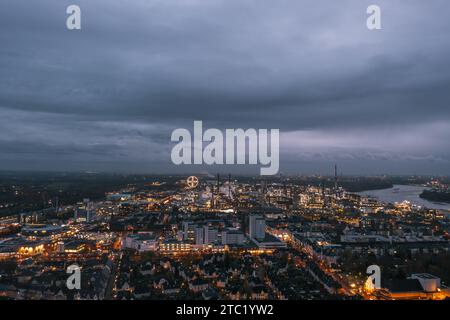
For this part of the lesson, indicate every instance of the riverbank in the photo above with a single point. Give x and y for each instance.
(411, 193)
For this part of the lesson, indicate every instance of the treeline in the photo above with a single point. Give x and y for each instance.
(436, 196)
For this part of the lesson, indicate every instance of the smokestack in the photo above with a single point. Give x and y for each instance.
(212, 196)
(229, 185)
(56, 205)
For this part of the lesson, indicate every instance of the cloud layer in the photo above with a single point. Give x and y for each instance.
(108, 96)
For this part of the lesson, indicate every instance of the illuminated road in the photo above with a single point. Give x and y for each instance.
(346, 284)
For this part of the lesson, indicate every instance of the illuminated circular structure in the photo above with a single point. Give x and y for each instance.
(192, 182)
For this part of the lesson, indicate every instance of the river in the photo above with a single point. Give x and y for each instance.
(400, 193)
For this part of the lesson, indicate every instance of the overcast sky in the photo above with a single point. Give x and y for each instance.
(107, 98)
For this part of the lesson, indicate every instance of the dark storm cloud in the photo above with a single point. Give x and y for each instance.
(116, 89)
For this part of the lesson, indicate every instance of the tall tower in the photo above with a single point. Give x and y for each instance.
(262, 195)
(218, 183)
(324, 197)
(56, 205)
(212, 196)
(217, 190)
(257, 226)
(335, 178)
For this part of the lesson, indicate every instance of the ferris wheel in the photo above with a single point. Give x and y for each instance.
(192, 182)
